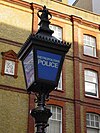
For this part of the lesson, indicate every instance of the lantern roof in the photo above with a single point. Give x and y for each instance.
(44, 36)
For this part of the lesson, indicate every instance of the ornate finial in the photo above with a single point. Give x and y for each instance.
(46, 15)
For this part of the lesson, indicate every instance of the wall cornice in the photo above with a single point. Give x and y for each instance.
(83, 22)
(71, 18)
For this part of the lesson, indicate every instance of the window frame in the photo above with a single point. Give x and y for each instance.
(60, 86)
(91, 121)
(52, 26)
(89, 93)
(90, 46)
(52, 119)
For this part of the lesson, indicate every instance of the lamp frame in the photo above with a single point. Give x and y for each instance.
(52, 84)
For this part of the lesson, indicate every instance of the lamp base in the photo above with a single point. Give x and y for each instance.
(41, 114)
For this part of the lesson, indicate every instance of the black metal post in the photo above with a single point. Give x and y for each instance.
(41, 114)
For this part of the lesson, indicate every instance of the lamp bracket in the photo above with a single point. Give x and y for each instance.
(38, 97)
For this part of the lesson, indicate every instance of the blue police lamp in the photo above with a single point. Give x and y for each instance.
(42, 57)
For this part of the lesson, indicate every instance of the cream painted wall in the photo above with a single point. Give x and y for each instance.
(46, 1)
(15, 22)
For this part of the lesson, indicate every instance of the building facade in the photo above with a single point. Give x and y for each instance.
(75, 103)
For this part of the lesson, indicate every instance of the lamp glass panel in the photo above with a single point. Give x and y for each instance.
(48, 65)
(28, 65)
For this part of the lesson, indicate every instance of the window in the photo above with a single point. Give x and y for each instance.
(58, 34)
(60, 83)
(55, 121)
(91, 83)
(92, 123)
(9, 63)
(89, 45)
(57, 31)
